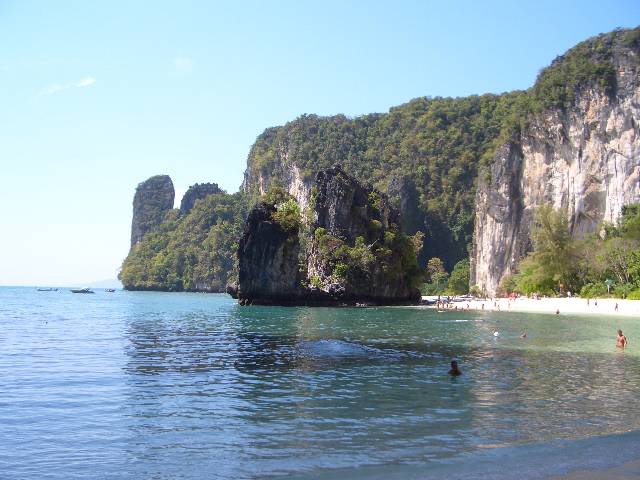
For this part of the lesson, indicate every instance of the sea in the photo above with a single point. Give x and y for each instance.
(146, 385)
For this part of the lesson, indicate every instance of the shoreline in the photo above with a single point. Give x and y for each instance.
(607, 457)
(604, 306)
(626, 471)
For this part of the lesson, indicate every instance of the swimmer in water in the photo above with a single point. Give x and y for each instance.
(621, 341)
(523, 334)
(454, 371)
(496, 333)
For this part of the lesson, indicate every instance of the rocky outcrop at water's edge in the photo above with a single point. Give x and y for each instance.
(347, 249)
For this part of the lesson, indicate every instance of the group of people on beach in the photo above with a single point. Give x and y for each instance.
(494, 304)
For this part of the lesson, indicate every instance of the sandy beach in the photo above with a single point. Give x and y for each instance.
(551, 305)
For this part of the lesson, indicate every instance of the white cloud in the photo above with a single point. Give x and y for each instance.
(82, 83)
(85, 82)
(183, 65)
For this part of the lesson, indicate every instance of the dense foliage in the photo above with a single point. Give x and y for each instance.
(394, 255)
(595, 266)
(426, 154)
(459, 278)
(196, 251)
(433, 145)
(441, 282)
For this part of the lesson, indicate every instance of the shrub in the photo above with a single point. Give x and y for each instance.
(287, 215)
(340, 270)
(634, 294)
(591, 290)
(375, 226)
(315, 281)
(622, 291)
(459, 279)
(507, 285)
(477, 292)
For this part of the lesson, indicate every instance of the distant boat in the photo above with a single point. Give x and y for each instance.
(47, 289)
(110, 290)
(82, 290)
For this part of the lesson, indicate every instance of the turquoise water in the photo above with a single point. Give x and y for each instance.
(155, 385)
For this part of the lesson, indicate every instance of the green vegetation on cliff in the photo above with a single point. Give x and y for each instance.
(427, 153)
(347, 247)
(435, 144)
(193, 252)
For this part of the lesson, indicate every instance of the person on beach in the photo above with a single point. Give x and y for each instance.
(621, 341)
(616, 307)
(454, 371)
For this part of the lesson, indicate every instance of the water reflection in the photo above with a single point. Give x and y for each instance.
(266, 391)
(147, 385)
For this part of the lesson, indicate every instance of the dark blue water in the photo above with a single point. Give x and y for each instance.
(151, 385)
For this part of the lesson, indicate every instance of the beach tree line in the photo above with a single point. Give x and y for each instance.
(605, 263)
(441, 282)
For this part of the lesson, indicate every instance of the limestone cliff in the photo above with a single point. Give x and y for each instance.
(153, 199)
(348, 249)
(423, 155)
(197, 191)
(582, 156)
(268, 260)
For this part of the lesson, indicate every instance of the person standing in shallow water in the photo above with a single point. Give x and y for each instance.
(621, 341)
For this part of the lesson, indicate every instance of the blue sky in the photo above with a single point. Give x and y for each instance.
(98, 96)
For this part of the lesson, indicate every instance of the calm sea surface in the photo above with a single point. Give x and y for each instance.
(138, 385)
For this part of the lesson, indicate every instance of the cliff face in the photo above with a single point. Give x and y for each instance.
(575, 146)
(356, 251)
(198, 191)
(584, 158)
(423, 154)
(349, 249)
(268, 260)
(288, 174)
(153, 199)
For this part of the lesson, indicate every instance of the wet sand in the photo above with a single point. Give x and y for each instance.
(627, 471)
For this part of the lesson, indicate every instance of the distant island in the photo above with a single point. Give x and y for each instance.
(468, 182)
